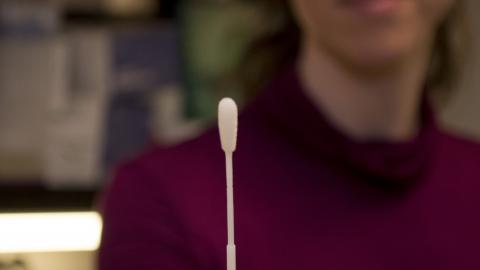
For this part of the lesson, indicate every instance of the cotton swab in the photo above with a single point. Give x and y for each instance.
(227, 125)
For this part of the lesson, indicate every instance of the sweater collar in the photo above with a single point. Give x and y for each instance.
(289, 109)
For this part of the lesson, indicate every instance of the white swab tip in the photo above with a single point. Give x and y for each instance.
(227, 124)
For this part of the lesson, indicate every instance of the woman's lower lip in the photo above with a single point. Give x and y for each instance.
(372, 7)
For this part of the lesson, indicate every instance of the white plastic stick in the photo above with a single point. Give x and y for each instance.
(227, 124)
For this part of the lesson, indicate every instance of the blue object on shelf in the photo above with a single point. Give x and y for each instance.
(144, 60)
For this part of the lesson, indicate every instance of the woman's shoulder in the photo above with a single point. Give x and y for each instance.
(460, 143)
(164, 165)
(458, 157)
(198, 149)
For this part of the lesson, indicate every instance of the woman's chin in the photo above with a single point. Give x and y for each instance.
(382, 50)
(377, 59)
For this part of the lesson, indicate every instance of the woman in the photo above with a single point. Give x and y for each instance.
(340, 162)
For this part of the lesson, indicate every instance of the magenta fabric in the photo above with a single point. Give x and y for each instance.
(306, 197)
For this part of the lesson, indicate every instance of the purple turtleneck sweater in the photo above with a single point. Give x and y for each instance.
(306, 197)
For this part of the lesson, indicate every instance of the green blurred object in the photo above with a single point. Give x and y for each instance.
(215, 36)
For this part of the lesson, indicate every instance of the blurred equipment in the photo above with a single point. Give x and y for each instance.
(29, 73)
(15, 264)
(131, 8)
(29, 18)
(77, 112)
(215, 36)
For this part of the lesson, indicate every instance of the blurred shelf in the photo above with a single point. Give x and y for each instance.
(166, 10)
(99, 18)
(41, 199)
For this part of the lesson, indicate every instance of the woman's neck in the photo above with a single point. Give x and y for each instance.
(365, 106)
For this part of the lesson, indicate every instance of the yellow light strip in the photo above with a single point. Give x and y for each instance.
(49, 232)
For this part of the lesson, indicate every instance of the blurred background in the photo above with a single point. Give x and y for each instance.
(86, 84)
